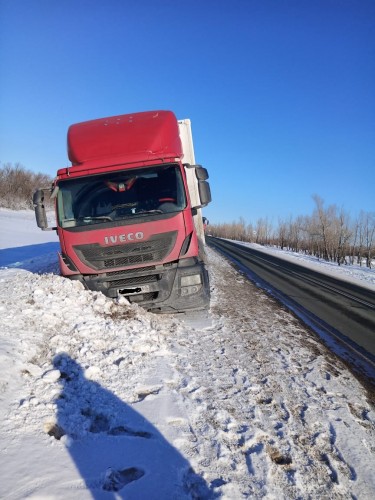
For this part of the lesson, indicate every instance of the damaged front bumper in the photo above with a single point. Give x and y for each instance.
(172, 287)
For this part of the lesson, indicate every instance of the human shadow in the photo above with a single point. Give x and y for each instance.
(30, 257)
(119, 453)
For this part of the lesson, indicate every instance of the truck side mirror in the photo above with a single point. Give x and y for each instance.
(204, 193)
(40, 209)
(201, 173)
(201, 186)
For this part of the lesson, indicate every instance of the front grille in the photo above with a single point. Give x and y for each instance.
(129, 271)
(137, 280)
(127, 254)
(146, 297)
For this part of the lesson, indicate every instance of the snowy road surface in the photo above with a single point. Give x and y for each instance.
(341, 309)
(101, 400)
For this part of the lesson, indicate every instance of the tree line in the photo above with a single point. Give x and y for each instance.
(329, 233)
(17, 186)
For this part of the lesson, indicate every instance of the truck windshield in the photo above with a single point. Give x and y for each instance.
(120, 195)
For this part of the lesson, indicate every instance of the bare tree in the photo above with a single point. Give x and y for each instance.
(321, 221)
(17, 185)
(343, 235)
(369, 230)
(282, 233)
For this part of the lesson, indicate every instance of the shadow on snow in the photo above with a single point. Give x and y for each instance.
(36, 258)
(118, 453)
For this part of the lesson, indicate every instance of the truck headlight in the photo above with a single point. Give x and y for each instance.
(190, 284)
(193, 279)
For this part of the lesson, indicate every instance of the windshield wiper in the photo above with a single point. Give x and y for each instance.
(136, 213)
(123, 205)
(89, 218)
(145, 212)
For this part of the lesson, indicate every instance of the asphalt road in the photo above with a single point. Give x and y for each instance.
(344, 307)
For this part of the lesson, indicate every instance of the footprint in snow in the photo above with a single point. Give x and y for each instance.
(142, 393)
(100, 423)
(115, 480)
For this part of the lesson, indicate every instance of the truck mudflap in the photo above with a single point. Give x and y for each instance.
(169, 288)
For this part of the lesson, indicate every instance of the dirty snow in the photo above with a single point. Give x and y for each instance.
(99, 399)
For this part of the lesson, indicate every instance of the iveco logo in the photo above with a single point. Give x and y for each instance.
(121, 238)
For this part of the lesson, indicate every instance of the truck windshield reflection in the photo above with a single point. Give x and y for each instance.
(120, 195)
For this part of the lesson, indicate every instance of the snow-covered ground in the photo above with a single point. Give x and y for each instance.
(100, 399)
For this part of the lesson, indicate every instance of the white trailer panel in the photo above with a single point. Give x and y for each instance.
(186, 137)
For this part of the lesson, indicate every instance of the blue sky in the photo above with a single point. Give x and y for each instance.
(281, 93)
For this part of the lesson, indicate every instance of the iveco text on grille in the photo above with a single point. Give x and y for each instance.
(123, 237)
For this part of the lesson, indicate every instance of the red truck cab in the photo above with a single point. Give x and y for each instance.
(128, 212)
